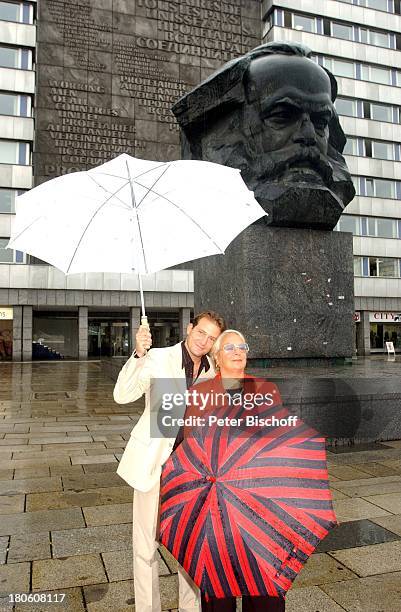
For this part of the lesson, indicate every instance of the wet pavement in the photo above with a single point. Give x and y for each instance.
(65, 516)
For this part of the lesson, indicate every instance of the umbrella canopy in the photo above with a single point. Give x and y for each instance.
(242, 508)
(132, 214)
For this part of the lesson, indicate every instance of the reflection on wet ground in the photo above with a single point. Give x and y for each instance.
(65, 516)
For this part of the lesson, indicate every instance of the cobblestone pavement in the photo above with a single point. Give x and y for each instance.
(65, 516)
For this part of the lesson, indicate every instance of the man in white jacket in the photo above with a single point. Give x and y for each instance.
(141, 463)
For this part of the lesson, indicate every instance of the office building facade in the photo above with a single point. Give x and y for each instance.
(360, 42)
(82, 81)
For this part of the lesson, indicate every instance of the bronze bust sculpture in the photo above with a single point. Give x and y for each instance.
(271, 114)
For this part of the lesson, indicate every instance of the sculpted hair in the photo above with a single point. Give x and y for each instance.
(225, 90)
(212, 316)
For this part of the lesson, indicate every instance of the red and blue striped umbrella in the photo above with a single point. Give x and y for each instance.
(242, 509)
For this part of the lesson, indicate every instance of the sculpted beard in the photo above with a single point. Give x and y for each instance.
(296, 163)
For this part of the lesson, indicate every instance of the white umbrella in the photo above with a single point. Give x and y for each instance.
(133, 215)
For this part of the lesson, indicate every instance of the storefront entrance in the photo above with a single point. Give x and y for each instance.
(108, 339)
(6, 333)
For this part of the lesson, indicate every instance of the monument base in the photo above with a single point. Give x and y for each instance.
(289, 291)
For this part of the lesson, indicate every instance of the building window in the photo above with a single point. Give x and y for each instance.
(13, 152)
(339, 67)
(378, 188)
(382, 150)
(357, 266)
(347, 107)
(305, 24)
(13, 57)
(15, 104)
(8, 255)
(7, 200)
(351, 146)
(21, 12)
(379, 5)
(376, 75)
(341, 30)
(381, 112)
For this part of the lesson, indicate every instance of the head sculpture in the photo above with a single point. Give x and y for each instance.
(270, 113)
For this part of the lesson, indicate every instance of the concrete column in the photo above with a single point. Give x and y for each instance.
(134, 322)
(82, 333)
(185, 319)
(364, 336)
(17, 333)
(27, 333)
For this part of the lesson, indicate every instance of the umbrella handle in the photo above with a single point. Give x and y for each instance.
(144, 321)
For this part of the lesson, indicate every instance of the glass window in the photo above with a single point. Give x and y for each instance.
(340, 30)
(387, 266)
(382, 150)
(372, 266)
(344, 69)
(14, 104)
(357, 266)
(9, 57)
(380, 5)
(6, 255)
(384, 189)
(351, 146)
(380, 75)
(307, 24)
(10, 11)
(7, 200)
(12, 57)
(379, 39)
(349, 223)
(13, 152)
(345, 106)
(381, 112)
(371, 226)
(386, 228)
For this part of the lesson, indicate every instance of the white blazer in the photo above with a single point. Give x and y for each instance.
(141, 463)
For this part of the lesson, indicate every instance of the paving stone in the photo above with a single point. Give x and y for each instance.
(25, 473)
(91, 540)
(168, 558)
(321, 568)
(11, 487)
(310, 599)
(372, 594)
(29, 546)
(73, 602)
(391, 523)
(73, 571)
(59, 439)
(81, 459)
(6, 474)
(110, 597)
(30, 463)
(76, 498)
(3, 550)
(62, 453)
(370, 560)
(356, 533)
(66, 471)
(14, 578)
(355, 509)
(11, 504)
(88, 481)
(72, 445)
(110, 514)
(118, 565)
(169, 591)
(91, 468)
(369, 490)
(44, 520)
(390, 502)
(377, 469)
(16, 441)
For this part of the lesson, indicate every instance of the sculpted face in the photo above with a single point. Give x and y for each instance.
(275, 121)
(288, 112)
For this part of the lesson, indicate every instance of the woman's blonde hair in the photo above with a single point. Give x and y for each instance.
(219, 342)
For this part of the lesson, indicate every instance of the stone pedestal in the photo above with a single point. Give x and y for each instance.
(290, 291)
